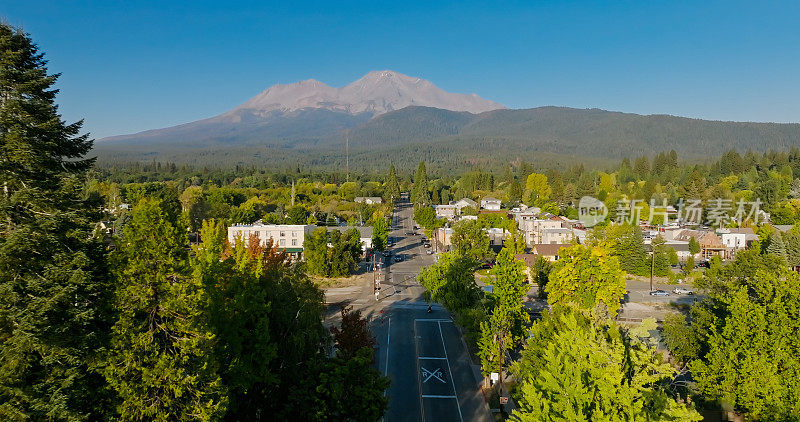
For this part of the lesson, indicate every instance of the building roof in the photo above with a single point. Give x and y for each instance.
(528, 258)
(557, 230)
(783, 227)
(363, 231)
(548, 249)
(490, 199)
(467, 200)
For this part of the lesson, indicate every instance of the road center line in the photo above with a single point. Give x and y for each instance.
(423, 357)
(430, 396)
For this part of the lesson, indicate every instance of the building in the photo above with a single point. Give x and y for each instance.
(548, 251)
(737, 239)
(290, 237)
(364, 232)
(532, 226)
(446, 211)
(442, 239)
(556, 235)
(369, 200)
(463, 203)
(490, 203)
(681, 248)
(710, 243)
(496, 236)
(287, 237)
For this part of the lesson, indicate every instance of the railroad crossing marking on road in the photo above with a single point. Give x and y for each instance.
(432, 374)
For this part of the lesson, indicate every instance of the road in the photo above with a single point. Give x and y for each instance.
(423, 353)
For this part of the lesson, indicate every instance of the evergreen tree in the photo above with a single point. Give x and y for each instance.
(159, 362)
(419, 192)
(577, 368)
(776, 246)
(54, 293)
(392, 191)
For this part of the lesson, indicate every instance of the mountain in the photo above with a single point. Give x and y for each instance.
(449, 140)
(377, 92)
(309, 111)
(388, 117)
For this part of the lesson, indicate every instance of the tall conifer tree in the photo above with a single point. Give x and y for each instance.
(53, 289)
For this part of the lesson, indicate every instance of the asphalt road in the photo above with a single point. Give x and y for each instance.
(422, 353)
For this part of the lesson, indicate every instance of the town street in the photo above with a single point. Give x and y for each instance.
(424, 354)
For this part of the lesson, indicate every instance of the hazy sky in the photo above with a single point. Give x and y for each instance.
(130, 66)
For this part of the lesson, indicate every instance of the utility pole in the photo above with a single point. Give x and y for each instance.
(652, 263)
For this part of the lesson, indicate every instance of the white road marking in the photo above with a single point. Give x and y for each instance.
(432, 374)
(433, 396)
(423, 357)
(452, 381)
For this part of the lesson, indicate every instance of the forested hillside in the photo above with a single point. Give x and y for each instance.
(546, 136)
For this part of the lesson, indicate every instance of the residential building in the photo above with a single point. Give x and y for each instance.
(364, 232)
(446, 211)
(548, 251)
(532, 225)
(489, 203)
(369, 200)
(442, 239)
(496, 236)
(556, 235)
(463, 203)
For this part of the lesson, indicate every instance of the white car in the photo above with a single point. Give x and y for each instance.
(682, 291)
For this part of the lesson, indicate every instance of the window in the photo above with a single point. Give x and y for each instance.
(283, 242)
(294, 242)
(283, 234)
(294, 234)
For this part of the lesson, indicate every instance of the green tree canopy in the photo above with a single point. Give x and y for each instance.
(577, 369)
(159, 363)
(587, 276)
(470, 239)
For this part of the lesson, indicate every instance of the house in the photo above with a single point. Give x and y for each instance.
(556, 235)
(446, 211)
(287, 237)
(496, 236)
(463, 203)
(369, 200)
(364, 232)
(549, 251)
(442, 239)
(489, 203)
(532, 226)
(681, 248)
(710, 243)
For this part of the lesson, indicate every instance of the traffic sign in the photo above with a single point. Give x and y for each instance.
(503, 400)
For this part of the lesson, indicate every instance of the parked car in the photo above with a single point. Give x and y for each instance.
(659, 293)
(427, 245)
(398, 258)
(429, 252)
(682, 291)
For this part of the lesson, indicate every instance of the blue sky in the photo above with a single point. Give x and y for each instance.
(133, 65)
